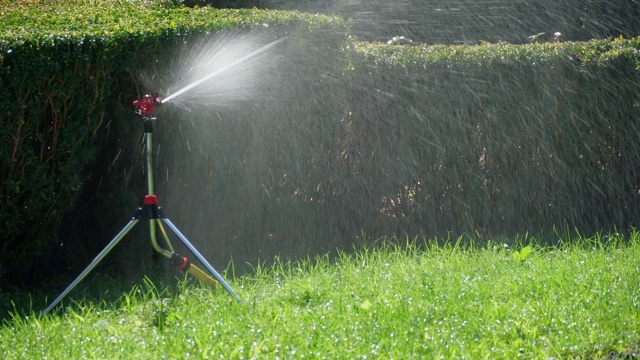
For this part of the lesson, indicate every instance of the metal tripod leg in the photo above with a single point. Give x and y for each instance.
(93, 264)
(201, 258)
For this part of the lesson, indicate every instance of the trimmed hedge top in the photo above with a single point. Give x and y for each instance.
(21, 21)
(598, 52)
(79, 21)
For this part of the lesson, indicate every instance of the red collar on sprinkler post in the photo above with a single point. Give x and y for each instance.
(147, 105)
(150, 200)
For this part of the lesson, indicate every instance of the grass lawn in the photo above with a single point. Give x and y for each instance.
(576, 300)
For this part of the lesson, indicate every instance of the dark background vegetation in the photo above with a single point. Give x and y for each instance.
(354, 141)
(468, 21)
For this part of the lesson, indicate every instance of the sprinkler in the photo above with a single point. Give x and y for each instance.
(151, 212)
(147, 105)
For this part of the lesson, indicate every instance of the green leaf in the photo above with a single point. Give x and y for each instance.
(523, 254)
(366, 305)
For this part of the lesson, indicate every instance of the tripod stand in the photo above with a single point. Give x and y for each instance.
(153, 213)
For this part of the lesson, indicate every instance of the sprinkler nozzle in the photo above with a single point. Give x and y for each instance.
(147, 105)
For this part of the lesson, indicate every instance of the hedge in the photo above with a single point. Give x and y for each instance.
(492, 139)
(496, 139)
(68, 74)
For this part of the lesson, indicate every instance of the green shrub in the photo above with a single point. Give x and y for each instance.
(496, 138)
(69, 71)
(431, 140)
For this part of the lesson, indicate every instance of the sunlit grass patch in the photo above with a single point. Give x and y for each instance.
(579, 298)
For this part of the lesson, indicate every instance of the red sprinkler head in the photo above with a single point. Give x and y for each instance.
(147, 105)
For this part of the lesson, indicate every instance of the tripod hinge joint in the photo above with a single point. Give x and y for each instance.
(149, 209)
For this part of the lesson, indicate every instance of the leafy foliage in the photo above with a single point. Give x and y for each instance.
(521, 255)
(66, 69)
(495, 138)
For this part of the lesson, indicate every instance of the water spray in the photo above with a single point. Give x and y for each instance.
(151, 212)
(223, 69)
